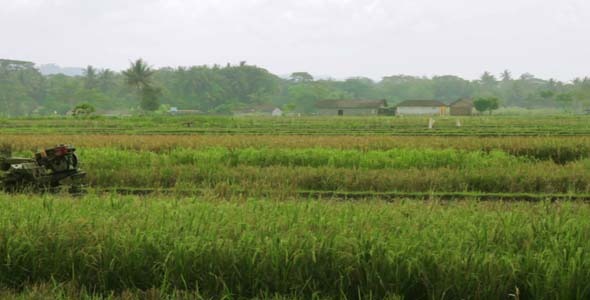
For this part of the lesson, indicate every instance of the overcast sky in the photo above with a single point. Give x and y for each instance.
(338, 38)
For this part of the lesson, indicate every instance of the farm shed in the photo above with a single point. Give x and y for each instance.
(421, 107)
(461, 107)
(351, 107)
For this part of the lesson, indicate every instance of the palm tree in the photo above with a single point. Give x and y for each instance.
(506, 76)
(488, 79)
(139, 74)
(90, 77)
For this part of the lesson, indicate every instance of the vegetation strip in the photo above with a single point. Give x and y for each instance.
(550, 165)
(445, 126)
(337, 195)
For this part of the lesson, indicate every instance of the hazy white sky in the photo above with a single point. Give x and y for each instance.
(340, 38)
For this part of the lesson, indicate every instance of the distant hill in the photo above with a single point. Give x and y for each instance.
(51, 69)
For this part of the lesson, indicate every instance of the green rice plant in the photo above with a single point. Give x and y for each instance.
(312, 157)
(555, 148)
(111, 244)
(403, 170)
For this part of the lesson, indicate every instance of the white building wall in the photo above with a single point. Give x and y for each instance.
(415, 110)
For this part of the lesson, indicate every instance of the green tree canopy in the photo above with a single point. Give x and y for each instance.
(301, 77)
(483, 104)
(224, 88)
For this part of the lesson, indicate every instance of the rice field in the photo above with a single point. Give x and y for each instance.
(321, 169)
(572, 125)
(304, 208)
(297, 249)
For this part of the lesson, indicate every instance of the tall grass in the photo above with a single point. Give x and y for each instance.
(409, 170)
(297, 248)
(312, 157)
(558, 149)
(509, 165)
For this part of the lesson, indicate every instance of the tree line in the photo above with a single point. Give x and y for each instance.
(223, 89)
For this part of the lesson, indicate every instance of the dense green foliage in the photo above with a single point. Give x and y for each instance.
(83, 110)
(222, 89)
(483, 104)
(298, 248)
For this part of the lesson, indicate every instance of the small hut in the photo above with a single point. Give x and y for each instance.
(462, 107)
